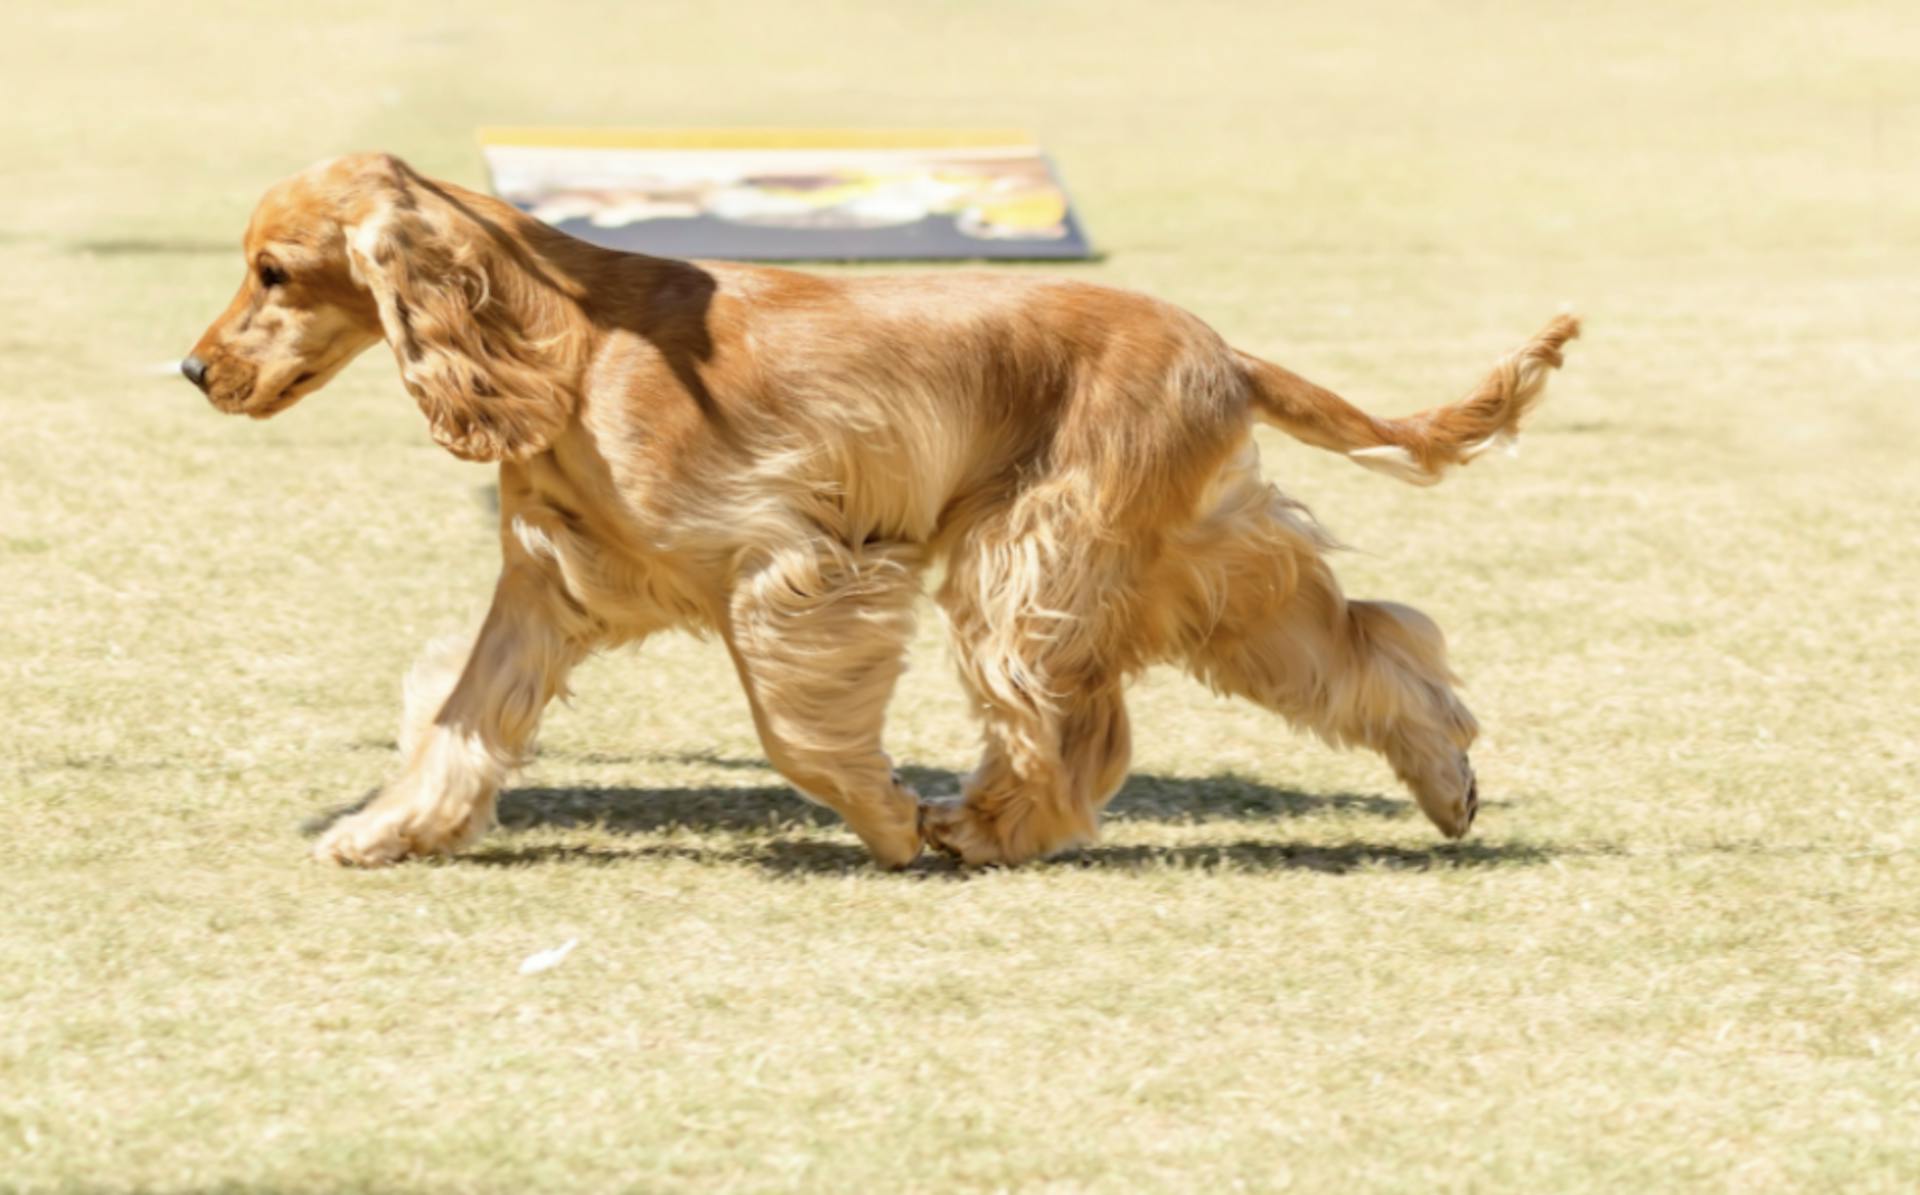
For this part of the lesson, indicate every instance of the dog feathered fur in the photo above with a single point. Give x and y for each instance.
(777, 458)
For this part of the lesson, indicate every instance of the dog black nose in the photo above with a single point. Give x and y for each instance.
(196, 371)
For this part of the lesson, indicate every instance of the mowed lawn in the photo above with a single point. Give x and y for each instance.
(1680, 952)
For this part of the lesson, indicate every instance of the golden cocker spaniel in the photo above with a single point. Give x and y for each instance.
(778, 458)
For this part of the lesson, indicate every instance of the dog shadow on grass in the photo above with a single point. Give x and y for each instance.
(788, 857)
(760, 821)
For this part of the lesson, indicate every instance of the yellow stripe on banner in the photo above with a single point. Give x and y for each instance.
(625, 138)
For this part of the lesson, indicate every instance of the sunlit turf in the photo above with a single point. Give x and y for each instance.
(1680, 951)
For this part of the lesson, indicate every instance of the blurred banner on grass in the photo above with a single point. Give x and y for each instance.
(792, 194)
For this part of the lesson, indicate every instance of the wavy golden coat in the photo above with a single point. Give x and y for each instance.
(778, 458)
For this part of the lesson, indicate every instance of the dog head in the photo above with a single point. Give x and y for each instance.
(360, 249)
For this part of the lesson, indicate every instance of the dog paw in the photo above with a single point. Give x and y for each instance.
(1454, 809)
(897, 847)
(392, 830)
(951, 828)
(364, 841)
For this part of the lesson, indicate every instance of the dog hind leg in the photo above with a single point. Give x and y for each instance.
(1041, 618)
(1260, 615)
(1040, 784)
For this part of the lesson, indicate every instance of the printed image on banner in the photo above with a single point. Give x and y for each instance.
(791, 195)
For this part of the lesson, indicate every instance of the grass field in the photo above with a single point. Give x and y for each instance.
(1681, 952)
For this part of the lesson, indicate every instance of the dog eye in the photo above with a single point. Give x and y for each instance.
(271, 275)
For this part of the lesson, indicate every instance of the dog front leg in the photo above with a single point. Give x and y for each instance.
(458, 755)
(818, 634)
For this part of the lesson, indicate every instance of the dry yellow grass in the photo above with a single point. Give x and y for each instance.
(1680, 953)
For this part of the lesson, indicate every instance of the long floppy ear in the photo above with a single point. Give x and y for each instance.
(481, 346)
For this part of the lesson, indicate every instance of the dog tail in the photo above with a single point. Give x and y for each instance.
(1418, 448)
